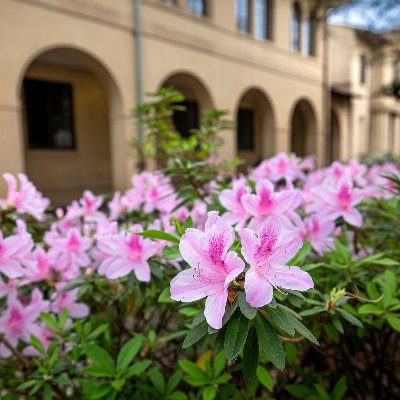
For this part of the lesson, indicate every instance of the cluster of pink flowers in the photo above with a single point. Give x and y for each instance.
(271, 212)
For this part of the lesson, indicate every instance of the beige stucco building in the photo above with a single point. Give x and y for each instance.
(365, 115)
(69, 71)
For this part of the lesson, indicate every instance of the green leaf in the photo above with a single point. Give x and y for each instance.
(173, 381)
(198, 318)
(236, 334)
(337, 324)
(298, 326)
(98, 331)
(386, 261)
(100, 357)
(157, 379)
(248, 311)
(195, 334)
(118, 384)
(101, 391)
(51, 323)
(128, 352)
(323, 394)
(250, 357)
(350, 317)
(394, 321)
(270, 344)
(280, 318)
(370, 309)
(301, 255)
(137, 368)
(47, 393)
(209, 393)
(340, 389)
(220, 340)
(178, 226)
(193, 370)
(219, 364)
(299, 391)
(265, 378)
(63, 317)
(332, 332)
(37, 344)
(188, 223)
(223, 379)
(171, 252)
(165, 296)
(160, 235)
(177, 395)
(98, 371)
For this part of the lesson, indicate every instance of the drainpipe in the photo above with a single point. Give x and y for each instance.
(137, 8)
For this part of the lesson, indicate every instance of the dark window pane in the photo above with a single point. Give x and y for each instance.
(363, 68)
(49, 115)
(187, 120)
(245, 129)
(295, 27)
(197, 7)
(170, 2)
(242, 16)
(262, 19)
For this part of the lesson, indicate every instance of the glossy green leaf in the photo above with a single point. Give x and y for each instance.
(236, 334)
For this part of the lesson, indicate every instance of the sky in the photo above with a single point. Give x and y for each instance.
(363, 15)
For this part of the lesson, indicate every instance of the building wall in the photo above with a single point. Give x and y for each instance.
(67, 173)
(98, 35)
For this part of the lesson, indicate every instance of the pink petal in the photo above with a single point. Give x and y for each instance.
(259, 291)
(235, 266)
(142, 271)
(249, 244)
(215, 309)
(187, 286)
(291, 278)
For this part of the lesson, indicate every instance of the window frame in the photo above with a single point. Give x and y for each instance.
(50, 135)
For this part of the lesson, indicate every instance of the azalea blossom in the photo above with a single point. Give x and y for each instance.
(26, 199)
(266, 202)
(231, 199)
(67, 299)
(212, 267)
(126, 252)
(19, 321)
(339, 201)
(15, 254)
(267, 252)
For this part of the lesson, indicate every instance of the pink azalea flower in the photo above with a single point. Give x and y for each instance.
(319, 230)
(231, 199)
(19, 321)
(125, 253)
(40, 269)
(90, 206)
(67, 299)
(267, 253)
(212, 270)
(26, 199)
(340, 201)
(15, 254)
(70, 253)
(266, 202)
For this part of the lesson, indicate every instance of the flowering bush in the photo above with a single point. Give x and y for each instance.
(297, 266)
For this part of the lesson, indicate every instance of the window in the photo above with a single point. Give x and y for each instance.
(197, 7)
(308, 35)
(245, 129)
(187, 120)
(170, 2)
(363, 68)
(262, 21)
(396, 69)
(295, 28)
(242, 16)
(49, 115)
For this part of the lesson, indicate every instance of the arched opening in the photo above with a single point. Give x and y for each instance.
(295, 27)
(67, 98)
(335, 137)
(254, 128)
(197, 101)
(303, 129)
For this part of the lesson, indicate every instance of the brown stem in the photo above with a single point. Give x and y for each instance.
(24, 361)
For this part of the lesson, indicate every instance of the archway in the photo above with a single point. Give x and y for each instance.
(67, 98)
(335, 137)
(303, 136)
(197, 100)
(254, 127)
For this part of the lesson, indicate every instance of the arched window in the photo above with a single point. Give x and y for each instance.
(308, 35)
(295, 27)
(262, 19)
